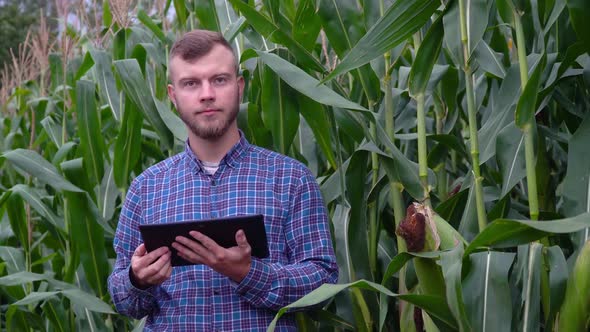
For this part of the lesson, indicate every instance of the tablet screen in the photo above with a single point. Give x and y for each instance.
(221, 230)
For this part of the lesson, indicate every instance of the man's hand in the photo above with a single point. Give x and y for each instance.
(149, 269)
(232, 262)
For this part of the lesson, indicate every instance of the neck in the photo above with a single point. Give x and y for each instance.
(213, 150)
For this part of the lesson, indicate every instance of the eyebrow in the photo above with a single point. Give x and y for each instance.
(192, 78)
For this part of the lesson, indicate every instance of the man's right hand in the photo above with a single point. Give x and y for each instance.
(149, 269)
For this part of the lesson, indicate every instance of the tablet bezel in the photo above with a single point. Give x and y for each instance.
(220, 230)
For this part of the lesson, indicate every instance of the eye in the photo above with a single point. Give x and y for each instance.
(220, 80)
(189, 84)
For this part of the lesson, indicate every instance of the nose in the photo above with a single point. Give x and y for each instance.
(207, 92)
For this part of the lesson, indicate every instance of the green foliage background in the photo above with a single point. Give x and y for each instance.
(477, 109)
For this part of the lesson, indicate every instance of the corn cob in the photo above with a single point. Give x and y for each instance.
(423, 230)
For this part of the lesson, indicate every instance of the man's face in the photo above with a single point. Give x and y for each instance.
(207, 92)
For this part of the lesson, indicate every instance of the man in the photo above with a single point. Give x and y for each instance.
(218, 175)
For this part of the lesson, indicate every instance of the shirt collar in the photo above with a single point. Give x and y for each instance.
(231, 159)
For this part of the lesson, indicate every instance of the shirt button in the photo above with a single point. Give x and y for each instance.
(215, 292)
(213, 183)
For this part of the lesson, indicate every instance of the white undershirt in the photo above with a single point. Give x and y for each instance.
(209, 167)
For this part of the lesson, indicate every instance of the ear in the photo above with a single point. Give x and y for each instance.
(172, 94)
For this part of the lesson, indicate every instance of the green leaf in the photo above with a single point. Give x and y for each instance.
(56, 70)
(31, 196)
(341, 221)
(36, 297)
(20, 278)
(395, 265)
(356, 194)
(508, 232)
(503, 102)
(127, 145)
(307, 24)
(87, 63)
(579, 11)
(304, 83)
(270, 30)
(452, 209)
(107, 17)
(451, 142)
(399, 22)
(558, 277)
(52, 129)
(510, 156)
(530, 277)
(491, 309)
(207, 15)
(576, 184)
(106, 81)
(181, 12)
(331, 187)
(558, 8)
(342, 23)
(476, 16)
(506, 11)
(150, 24)
(527, 103)
(260, 135)
(400, 168)
(14, 259)
(54, 311)
(172, 121)
(88, 235)
(489, 60)
(318, 121)
(433, 304)
(279, 110)
(451, 262)
(107, 194)
(88, 301)
(89, 130)
(139, 93)
(575, 310)
(64, 152)
(32, 163)
(426, 57)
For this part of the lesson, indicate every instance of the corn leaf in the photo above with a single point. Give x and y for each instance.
(32, 163)
(399, 22)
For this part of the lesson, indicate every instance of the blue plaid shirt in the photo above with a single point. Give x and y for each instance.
(250, 180)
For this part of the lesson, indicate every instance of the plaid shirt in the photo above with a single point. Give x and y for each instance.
(250, 180)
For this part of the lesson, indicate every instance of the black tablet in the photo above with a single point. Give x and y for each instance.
(222, 230)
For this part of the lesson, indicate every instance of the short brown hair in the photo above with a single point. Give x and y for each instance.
(197, 43)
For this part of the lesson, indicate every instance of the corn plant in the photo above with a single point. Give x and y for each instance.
(448, 138)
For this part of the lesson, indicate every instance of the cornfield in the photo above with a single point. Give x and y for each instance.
(449, 139)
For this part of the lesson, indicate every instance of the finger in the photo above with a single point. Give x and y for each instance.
(140, 250)
(190, 256)
(154, 255)
(241, 239)
(157, 272)
(205, 241)
(184, 243)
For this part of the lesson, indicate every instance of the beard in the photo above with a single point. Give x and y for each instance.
(210, 129)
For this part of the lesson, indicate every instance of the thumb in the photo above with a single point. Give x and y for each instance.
(241, 239)
(140, 250)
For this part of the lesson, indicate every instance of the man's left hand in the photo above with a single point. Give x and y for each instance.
(232, 262)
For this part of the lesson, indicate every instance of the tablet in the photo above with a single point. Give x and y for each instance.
(221, 230)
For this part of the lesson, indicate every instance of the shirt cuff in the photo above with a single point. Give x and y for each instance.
(257, 282)
(138, 292)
